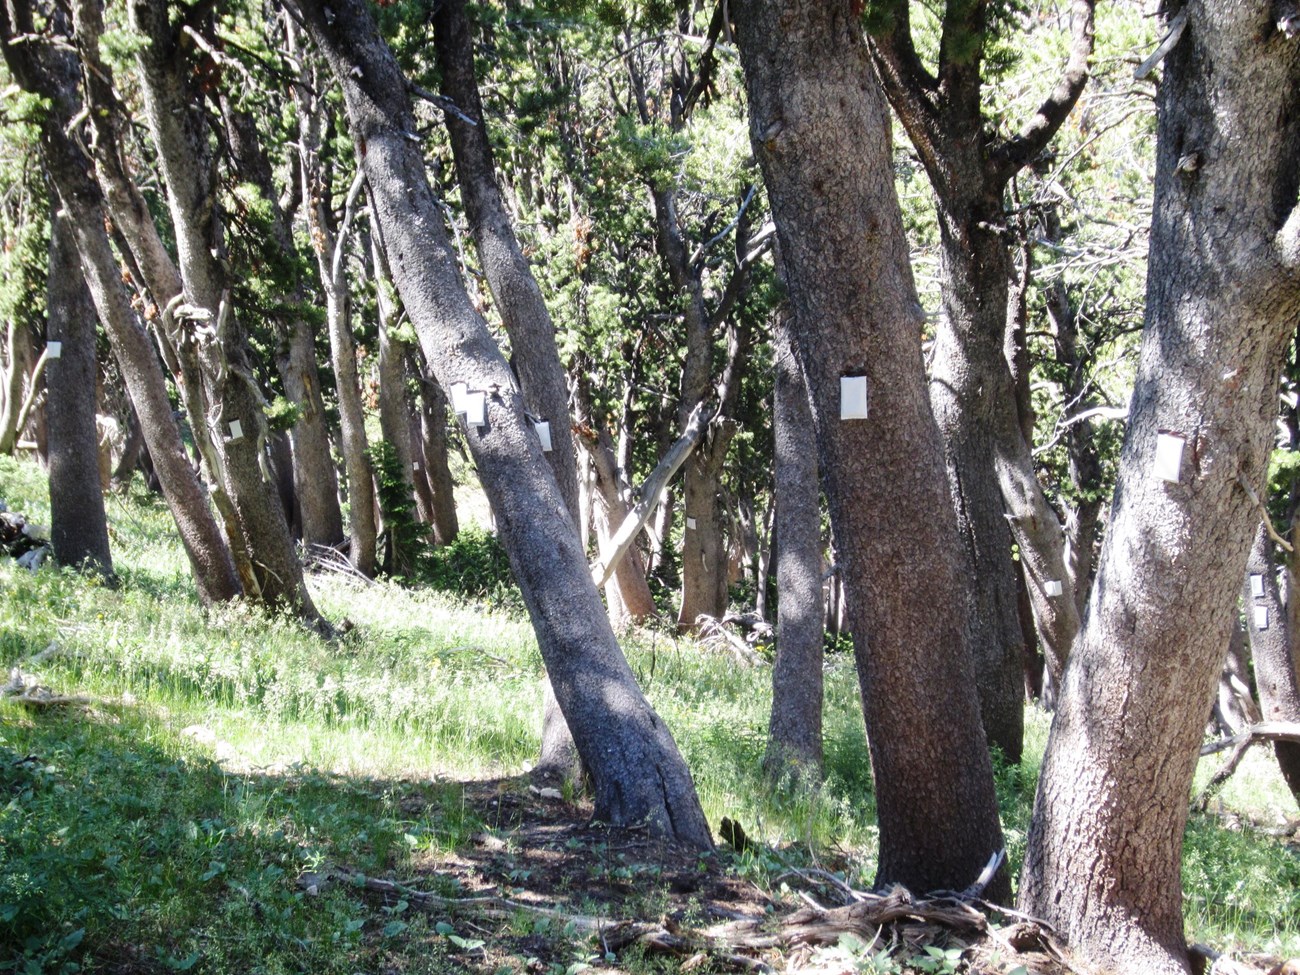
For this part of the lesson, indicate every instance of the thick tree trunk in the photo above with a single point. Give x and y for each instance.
(173, 107)
(1270, 649)
(820, 127)
(638, 776)
(53, 74)
(704, 540)
(78, 526)
(1223, 293)
(795, 729)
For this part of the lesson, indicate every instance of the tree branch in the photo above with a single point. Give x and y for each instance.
(908, 85)
(1016, 152)
(651, 490)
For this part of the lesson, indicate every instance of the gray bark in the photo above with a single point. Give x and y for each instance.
(1223, 293)
(18, 347)
(638, 776)
(438, 482)
(820, 128)
(173, 107)
(795, 728)
(1270, 649)
(330, 243)
(51, 72)
(78, 526)
(314, 480)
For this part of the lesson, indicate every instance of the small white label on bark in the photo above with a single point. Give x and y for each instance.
(1053, 587)
(476, 408)
(53, 350)
(458, 393)
(415, 465)
(1261, 617)
(690, 523)
(853, 397)
(543, 428)
(1256, 585)
(1169, 457)
(236, 431)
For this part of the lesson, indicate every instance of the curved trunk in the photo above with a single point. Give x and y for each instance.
(78, 526)
(638, 775)
(795, 729)
(1223, 294)
(820, 128)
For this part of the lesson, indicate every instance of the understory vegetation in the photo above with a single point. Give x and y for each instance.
(196, 807)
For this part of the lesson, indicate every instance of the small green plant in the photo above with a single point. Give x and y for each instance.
(938, 961)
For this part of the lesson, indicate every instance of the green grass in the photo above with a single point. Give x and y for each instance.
(124, 844)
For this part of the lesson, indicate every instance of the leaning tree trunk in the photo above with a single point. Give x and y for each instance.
(314, 480)
(173, 108)
(637, 773)
(1223, 293)
(78, 526)
(821, 133)
(518, 298)
(1270, 650)
(434, 470)
(795, 729)
(50, 71)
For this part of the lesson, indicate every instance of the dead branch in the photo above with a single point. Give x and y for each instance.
(1263, 731)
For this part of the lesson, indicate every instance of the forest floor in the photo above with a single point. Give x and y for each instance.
(224, 792)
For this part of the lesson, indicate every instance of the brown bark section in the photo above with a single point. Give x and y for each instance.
(973, 390)
(78, 526)
(434, 473)
(637, 773)
(820, 128)
(1223, 293)
(314, 480)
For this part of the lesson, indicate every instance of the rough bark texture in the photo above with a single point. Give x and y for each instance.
(638, 776)
(52, 74)
(972, 388)
(1270, 649)
(1223, 293)
(441, 497)
(173, 107)
(78, 526)
(795, 728)
(527, 321)
(820, 127)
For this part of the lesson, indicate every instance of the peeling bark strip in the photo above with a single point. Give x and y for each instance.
(638, 775)
(1223, 296)
(820, 128)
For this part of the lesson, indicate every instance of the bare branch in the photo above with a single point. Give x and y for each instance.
(1044, 124)
(1176, 28)
(651, 490)
(1263, 511)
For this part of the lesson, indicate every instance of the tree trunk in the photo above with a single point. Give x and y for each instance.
(1223, 293)
(54, 75)
(173, 107)
(795, 729)
(638, 776)
(19, 350)
(132, 452)
(78, 526)
(435, 469)
(627, 591)
(1270, 649)
(820, 127)
(314, 478)
(704, 548)
(329, 243)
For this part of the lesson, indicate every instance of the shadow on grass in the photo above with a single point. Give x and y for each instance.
(124, 848)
